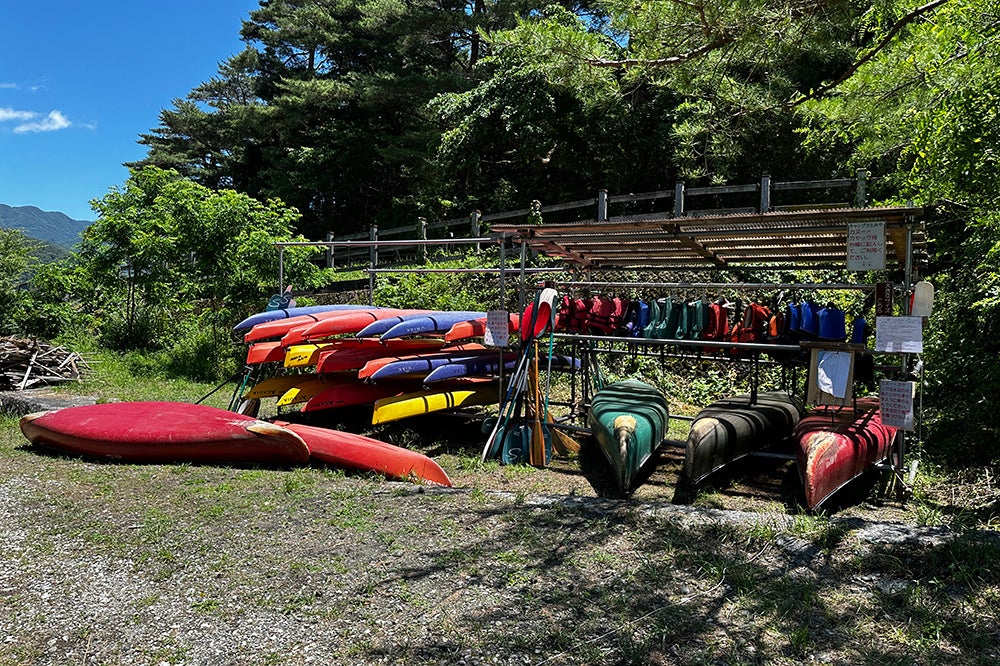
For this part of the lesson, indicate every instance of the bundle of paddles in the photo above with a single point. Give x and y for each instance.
(702, 318)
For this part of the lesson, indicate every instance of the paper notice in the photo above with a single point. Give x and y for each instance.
(833, 373)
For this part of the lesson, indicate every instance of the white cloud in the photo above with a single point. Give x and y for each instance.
(51, 123)
(7, 113)
(8, 86)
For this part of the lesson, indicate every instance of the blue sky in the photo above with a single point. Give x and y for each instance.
(80, 81)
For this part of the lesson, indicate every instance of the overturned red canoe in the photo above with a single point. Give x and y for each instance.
(157, 432)
(836, 445)
(347, 450)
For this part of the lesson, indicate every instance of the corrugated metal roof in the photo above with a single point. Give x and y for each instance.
(803, 238)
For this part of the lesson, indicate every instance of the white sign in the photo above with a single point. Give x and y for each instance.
(896, 403)
(866, 246)
(899, 335)
(497, 328)
(833, 373)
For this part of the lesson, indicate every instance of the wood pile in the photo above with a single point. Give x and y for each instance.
(30, 363)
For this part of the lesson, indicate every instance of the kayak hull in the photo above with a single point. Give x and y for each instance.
(438, 322)
(161, 432)
(733, 428)
(464, 394)
(629, 420)
(836, 446)
(352, 355)
(356, 452)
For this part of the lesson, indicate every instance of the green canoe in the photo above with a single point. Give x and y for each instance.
(629, 421)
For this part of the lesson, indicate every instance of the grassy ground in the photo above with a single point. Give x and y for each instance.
(183, 564)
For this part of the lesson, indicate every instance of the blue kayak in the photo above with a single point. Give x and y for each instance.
(490, 365)
(275, 315)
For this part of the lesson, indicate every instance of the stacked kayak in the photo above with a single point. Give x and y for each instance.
(402, 363)
(629, 420)
(172, 432)
(838, 444)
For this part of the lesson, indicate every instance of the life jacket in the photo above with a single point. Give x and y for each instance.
(831, 324)
(618, 316)
(599, 315)
(564, 315)
(751, 328)
(641, 317)
(578, 323)
(859, 331)
(809, 319)
(718, 322)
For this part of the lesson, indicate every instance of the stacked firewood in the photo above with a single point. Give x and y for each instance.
(30, 363)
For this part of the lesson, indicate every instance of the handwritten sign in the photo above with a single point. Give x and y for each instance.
(497, 328)
(896, 403)
(883, 299)
(866, 246)
(899, 335)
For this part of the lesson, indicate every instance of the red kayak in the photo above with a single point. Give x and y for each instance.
(356, 393)
(278, 328)
(476, 328)
(265, 352)
(160, 432)
(344, 449)
(836, 445)
(351, 355)
(332, 326)
(346, 323)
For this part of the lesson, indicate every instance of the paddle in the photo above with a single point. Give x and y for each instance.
(537, 452)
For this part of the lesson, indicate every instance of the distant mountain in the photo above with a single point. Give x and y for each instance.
(56, 228)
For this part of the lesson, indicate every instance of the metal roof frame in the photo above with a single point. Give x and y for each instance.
(815, 238)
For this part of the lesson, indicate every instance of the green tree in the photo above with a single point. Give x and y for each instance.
(166, 252)
(923, 110)
(15, 259)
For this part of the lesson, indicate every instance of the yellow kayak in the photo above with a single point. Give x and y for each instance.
(306, 390)
(434, 400)
(275, 386)
(299, 356)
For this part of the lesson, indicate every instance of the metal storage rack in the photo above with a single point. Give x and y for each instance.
(801, 239)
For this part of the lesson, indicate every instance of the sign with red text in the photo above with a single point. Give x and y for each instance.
(866, 246)
(896, 403)
(497, 328)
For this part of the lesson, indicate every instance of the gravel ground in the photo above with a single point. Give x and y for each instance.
(181, 564)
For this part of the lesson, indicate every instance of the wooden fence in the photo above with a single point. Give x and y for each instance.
(753, 197)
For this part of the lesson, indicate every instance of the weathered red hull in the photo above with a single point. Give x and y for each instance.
(347, 450)
(838, 445)
(159, 432)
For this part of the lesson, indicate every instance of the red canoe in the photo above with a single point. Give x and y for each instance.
(351, 355)
(278, 328)
(476, 328)
(838, 445)
(344, 449)
(158, 432)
